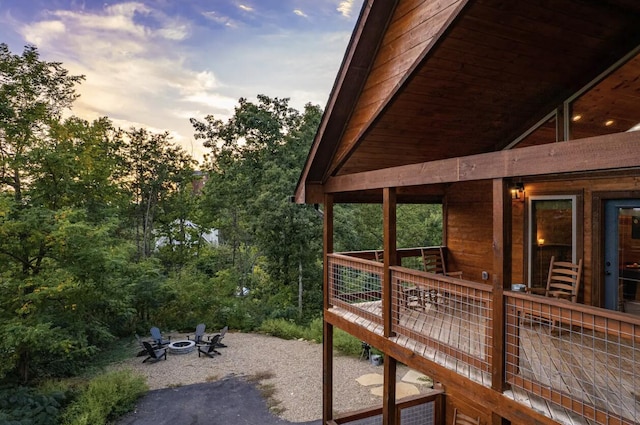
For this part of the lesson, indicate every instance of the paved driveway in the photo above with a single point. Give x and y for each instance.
(230, 401)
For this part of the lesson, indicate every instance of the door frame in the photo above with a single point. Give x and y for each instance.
(579, 224)
(598, 200)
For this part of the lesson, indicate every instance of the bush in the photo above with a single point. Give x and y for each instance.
(342, 341)
(283, 328)
(106, 398)
(22, 406)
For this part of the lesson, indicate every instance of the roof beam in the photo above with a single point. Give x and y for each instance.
(609, 152)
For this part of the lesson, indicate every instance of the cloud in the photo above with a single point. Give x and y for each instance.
(154, 68)
(137, 68)
(300, 13)
(220, 19)
(345, 8)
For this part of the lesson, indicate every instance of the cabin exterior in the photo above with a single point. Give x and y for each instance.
(519, 118)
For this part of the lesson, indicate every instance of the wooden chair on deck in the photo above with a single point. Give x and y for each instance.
(379, 256)
(433, 261)
(563, 281)
(462, 419)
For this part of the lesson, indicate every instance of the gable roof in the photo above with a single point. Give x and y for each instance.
(430, 80)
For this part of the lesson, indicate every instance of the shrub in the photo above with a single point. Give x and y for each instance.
(106, 398)
(283, 328)
(22, 406)
(342, 341)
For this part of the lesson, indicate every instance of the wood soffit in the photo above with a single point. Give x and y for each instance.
(498, 68)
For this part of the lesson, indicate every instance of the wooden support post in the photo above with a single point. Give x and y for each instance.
(390, 256)
(390, 259)
(501, 276)
(327, 372)
(327, 328)
(389, 416)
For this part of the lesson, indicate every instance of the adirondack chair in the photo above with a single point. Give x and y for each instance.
(220, 336)
(198, 337)
(209, 349)
(142, 351)
(158, 340)
(154, 354)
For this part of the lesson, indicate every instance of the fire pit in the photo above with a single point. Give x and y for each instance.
(182, 347)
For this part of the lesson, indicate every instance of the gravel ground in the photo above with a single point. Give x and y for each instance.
(293, 371)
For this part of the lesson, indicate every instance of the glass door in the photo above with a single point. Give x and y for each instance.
(622, 255)
(552, 233)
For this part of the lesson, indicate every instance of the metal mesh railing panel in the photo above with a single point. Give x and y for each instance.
(449, 319)
(421, 414)
(416, 412)
(581, 361)
(356, 285)
(372, 420)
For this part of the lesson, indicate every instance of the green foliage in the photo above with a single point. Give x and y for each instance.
(282, 328)
(256, 159)
(159, 175)
(285, 329)
(106, 398)
(28, 406)
(358, 227)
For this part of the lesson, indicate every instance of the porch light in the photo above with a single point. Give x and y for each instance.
(609, 123)
(517, 192)
(576, 117)
(540, 241)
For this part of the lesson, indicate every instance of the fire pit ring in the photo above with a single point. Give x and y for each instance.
(182, 347)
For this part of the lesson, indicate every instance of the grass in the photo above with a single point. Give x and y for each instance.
(120, 350)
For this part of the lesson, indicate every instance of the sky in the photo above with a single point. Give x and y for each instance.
(158, 63)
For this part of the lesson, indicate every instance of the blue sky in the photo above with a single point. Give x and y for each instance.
(157, 63)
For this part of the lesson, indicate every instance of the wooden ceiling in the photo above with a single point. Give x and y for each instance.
(499, 67)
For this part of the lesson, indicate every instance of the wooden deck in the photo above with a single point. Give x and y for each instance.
(581, 364)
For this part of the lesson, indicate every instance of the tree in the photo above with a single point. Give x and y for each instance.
(158, 169)
(256, 157)
(33, 94)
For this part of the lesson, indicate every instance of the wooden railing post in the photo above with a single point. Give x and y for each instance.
(501, 277)
(327, 328)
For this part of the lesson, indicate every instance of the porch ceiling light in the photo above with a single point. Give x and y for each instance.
(576, 117)
(517, 192)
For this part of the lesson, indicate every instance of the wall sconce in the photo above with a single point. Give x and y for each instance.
(540, 241)
(517, 192)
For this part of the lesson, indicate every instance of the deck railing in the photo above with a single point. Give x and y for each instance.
(583, 360)
(417, 410)
(454, 318)
(354, 284)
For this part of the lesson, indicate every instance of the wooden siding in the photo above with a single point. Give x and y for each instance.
(469, 226)
(412, 28)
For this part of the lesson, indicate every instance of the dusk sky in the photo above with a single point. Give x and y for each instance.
(157, 63)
